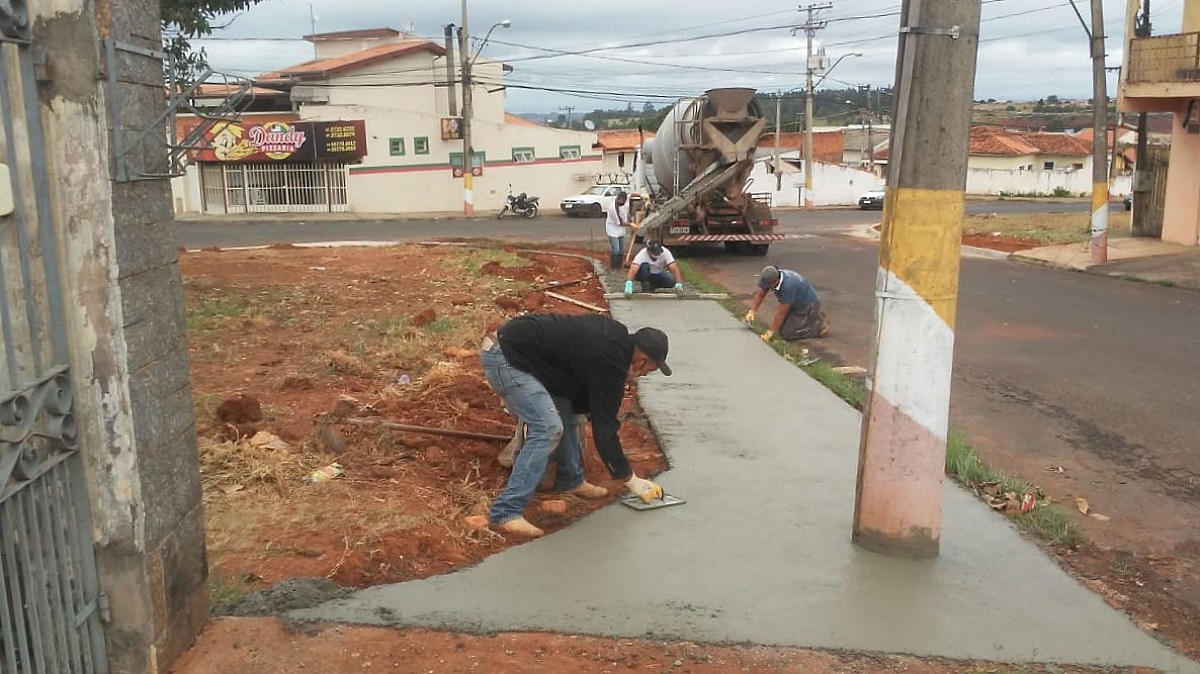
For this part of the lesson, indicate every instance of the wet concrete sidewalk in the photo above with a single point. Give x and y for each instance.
(766, 459)
(1142, 259)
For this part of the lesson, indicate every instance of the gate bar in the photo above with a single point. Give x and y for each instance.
(60, 568)
(10, 530)
(46, 234)
(7, 635)
(47, 567)
(18, 215)
(40, 632)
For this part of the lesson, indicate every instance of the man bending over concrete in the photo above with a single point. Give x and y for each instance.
(799, 315)
(548, 368)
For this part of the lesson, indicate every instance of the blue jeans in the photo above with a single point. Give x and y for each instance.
(615, 245)
(552, 425)
(660, 279)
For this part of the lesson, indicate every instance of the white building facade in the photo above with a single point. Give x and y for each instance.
(386, 138)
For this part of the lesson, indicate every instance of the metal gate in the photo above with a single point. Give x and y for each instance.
(273, 188)
(49, 599)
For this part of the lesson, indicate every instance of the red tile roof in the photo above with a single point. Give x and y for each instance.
(358, 59)
(353, 34)
(510, 118)
(995, 142)
(828, 146)
(619, 139)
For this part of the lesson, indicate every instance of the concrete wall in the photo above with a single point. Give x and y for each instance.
(1181, 212)
(833, 185)
(125, 317)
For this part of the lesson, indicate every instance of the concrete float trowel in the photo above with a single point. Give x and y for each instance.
(509, 454)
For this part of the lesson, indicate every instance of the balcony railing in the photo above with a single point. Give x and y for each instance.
(1165, 58)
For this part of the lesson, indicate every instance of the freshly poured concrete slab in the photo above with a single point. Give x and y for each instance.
(760, 553)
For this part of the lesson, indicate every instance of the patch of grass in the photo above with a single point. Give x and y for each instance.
(849, 389)
(1046, 521)
(213, 312)
(224, 591)
(1047, 228)
(472, 261)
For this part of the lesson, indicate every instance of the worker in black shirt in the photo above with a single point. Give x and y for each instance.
(548, 368)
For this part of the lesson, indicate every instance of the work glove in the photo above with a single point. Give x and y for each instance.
(628, 289)
(645, 489)
(750, 316)
(678, 288)
(766, 336)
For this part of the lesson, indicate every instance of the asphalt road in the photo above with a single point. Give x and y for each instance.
(266, 229)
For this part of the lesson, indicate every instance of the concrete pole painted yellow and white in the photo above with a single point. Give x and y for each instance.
(902, 453)
(1099, 228)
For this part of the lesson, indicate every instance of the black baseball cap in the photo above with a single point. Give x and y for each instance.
(653, 343)
(655, 247)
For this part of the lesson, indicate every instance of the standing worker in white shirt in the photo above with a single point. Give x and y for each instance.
(616, 221)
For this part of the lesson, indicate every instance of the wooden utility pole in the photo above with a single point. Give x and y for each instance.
(810, 28)
(1099, 244)
(898, 504)
(1141, 177)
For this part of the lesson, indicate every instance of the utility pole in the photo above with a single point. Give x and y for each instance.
(778, 133)
(468, 162)
(898, 503)
(810, 28)
(451, 96)
(1141, 177)
(569, 109)
(1099, 244)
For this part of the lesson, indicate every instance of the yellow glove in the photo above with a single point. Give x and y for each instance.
(766, 336)
(645, 489)
(750, 316)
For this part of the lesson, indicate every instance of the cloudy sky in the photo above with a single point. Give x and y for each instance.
(657, 51)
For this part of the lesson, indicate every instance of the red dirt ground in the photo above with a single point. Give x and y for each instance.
(398, 512)
(266, 646)
(1001, 243)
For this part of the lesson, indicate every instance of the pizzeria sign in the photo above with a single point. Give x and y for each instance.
(285, 141)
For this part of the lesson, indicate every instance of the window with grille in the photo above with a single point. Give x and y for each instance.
(421, 145)
(569, 152)
(396, 147)
(522, 155)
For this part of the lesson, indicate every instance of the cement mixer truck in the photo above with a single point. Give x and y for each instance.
(695, 170)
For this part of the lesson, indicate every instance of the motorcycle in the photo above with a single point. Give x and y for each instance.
(520, 204)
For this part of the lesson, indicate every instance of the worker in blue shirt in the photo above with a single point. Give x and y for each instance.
(799, 315)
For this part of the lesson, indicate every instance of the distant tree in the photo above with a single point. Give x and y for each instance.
(1040, 105)
(185, 20)
(1010, 108)
(648, 108)
(1053, 100)
(991, 100)
(629, 107)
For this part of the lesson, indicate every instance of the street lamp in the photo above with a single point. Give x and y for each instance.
(809, 203)
(468, 163)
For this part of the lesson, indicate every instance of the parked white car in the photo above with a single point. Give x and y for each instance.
(595, 201)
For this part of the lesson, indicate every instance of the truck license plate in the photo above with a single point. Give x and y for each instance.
(680, 230)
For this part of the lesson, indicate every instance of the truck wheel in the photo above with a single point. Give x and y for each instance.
(597, 211)
(759, 249)
(735, 247)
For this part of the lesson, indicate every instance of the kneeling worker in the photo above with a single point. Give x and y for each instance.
(799, 315)
(654, 266)
(548, 368)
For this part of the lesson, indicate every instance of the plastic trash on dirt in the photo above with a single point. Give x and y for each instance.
(325, 473)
